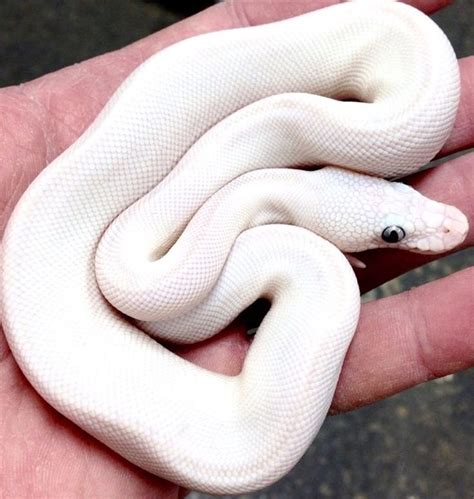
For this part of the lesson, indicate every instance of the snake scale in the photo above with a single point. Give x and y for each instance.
(180, 206)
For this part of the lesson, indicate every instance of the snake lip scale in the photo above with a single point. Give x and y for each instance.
(179, 207)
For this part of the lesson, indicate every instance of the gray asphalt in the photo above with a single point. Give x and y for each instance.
(419, 444)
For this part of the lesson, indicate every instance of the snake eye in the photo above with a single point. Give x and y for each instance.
(393, 234)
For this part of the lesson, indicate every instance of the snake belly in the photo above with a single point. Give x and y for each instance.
(368, 86)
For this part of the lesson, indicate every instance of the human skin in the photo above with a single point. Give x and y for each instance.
(401, 340)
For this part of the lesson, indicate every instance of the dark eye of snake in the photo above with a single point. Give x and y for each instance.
(393, 234)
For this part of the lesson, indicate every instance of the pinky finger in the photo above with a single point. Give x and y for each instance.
(404, 340)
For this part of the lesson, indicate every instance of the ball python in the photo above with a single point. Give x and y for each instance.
(181, 205)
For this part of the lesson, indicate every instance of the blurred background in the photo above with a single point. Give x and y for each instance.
(419, 444)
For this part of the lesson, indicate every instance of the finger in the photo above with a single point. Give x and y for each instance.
(249, 12)
(428, 6)
(407, 339)
(224, 353)
(462, 136)
(450, 183)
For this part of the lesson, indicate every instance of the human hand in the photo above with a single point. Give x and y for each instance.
(401, 340)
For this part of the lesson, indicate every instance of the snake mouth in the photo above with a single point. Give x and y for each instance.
(445, 235)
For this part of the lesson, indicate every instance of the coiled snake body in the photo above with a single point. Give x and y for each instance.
(177, 209)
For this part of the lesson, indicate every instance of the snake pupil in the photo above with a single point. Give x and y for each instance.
(393, 234)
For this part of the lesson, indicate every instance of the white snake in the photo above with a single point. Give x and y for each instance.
(208, 121)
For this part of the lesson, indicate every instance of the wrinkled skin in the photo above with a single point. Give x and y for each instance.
(427, 332)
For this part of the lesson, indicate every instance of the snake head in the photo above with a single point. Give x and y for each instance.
(416, 223)
(361, 212)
